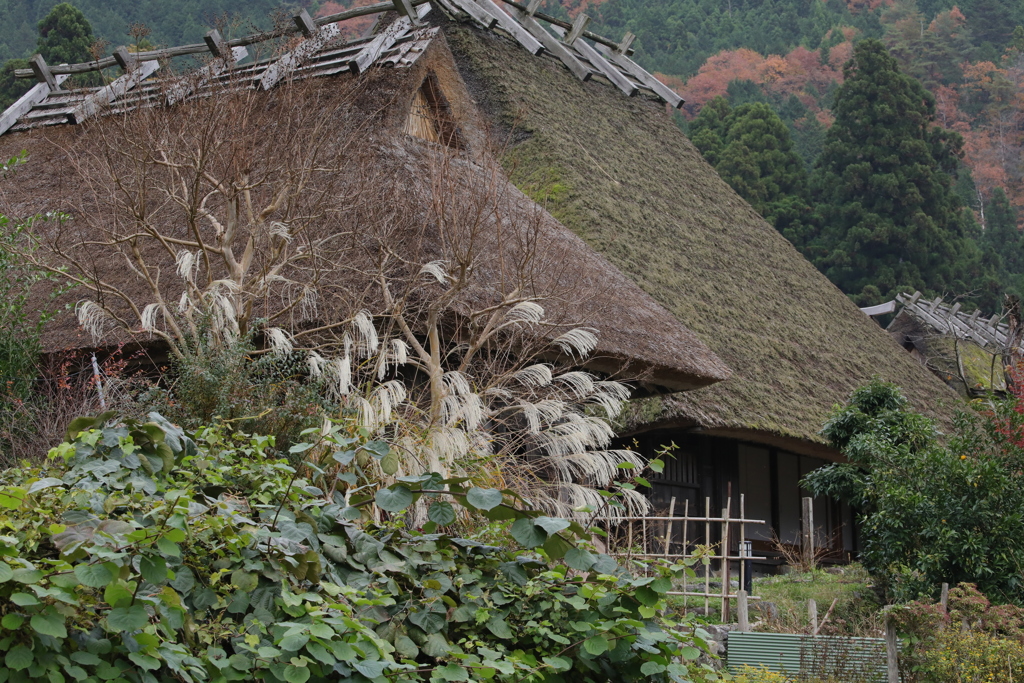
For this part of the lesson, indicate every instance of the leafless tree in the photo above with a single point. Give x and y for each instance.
(418, 282)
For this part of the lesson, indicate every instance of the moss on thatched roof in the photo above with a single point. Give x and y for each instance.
(619, 173)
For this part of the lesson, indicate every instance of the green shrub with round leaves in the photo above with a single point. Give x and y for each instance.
(140, 553)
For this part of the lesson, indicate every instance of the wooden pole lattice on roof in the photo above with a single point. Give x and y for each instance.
(564, 40)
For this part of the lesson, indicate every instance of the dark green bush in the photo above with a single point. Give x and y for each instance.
(140, 553)
(931, 510)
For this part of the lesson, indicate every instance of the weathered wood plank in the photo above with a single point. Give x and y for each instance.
(646, 79)
(194, 81)
(406, 53)
(478, 13)
(404, 8)
(42, 71)
(601, 64)
(24, 105)
(305, 23)
(290, 60)
(553, 45)
(95, 103)
(578, 25)
(523, 36)
(383, 41)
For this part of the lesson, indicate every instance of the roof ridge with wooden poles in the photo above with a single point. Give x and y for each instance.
(320, 53)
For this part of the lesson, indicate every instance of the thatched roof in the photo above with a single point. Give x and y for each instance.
(637, 336)
(620, 174)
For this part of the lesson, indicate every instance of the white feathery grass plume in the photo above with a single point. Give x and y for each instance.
(467, 409)
(339, 372)
(148, 318)
(225, 317)
(611, 396)
(575, 434)
(279, 229)
(316, 364)
(579, 384)
(500, 393)
(310, 302)
(92, 317)
(366, 415)
(449, 445)
(456, 383)
(528, 312)
(187, 263)
(230, 285)
(531, 413)
(578, 342)
(533, 376)
(184, 303)
(279, 341)
(366, 334)
(386, 398)
(437, 270)
(399, 352)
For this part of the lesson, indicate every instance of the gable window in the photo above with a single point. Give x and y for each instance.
(430, 116)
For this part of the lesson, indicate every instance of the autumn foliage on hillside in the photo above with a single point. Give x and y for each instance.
(982, 100)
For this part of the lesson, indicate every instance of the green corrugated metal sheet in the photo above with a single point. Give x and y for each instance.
(860, 659)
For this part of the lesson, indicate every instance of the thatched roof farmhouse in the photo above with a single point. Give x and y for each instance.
(688, 286)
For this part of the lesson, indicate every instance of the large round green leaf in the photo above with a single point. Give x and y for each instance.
(18, 657)
(93, 575)
(128, 618)
(526, 534)
(484, 499)
(49, 625)
(441, 513)
(551, 525)
(394, 499)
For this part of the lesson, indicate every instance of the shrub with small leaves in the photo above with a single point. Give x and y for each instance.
(144, 554)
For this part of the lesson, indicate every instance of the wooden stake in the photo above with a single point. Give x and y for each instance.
(944, 600)
(668, 530)
(686, 528)
(742, 614)
(812, 614)
(743, 537)
(892, 652)
(808, 529)
(724, 565)
(707, 568)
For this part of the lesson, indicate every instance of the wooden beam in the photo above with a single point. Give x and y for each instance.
(125, 59)
(217, 46)
(305, 23)
(42, 71)
(478, 13)
(532, 8)
(638, 72)
(38, 93)
(577, 28)
(290, 61)
(196, 80)
(514, 28)
(608, 70)
(94, 103)
(625, 46)
(552, 45)
(404, 8)
(384, 40)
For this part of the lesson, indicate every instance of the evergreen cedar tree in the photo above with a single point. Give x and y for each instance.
(65, 36)
(888, 219)
(752, 150)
